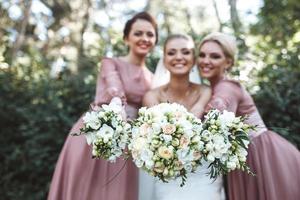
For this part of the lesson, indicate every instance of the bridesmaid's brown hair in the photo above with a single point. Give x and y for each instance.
(143, 16)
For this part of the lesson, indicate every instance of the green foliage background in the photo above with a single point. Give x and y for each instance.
(37, 111)
(36, 116)
(278, 99)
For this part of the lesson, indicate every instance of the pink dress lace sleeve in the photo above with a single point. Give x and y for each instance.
(109, 83)
(225, 96)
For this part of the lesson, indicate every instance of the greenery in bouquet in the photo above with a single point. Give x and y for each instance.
(226, 140)
(166, 141)
(106, 131)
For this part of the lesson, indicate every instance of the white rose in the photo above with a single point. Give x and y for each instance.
(206, 135)
(156, 128)
(185, 156)
(196, 139)
(197, 128)
(209, 146)
(139, 143)
(227, 117)
(114, 122)
(115, 105)
(91, 120)
(100, 114)
(166, 138)
(95, 153)
(105, 132)
(210, 158)
(231, 165)
(242, 158)
(90, 137)
(142, 110)
(139, 163)
(246, 142)
(135, 131)
(188, 167)
(146, 154)
(119, 129)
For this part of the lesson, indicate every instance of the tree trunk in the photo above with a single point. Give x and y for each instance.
(188, 20)
(237, 27)
(167, 21)
(59, 9)
(235, 21)
(21, 36)
(85, 21)
(218, 16)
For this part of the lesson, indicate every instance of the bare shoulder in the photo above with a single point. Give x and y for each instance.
(203, 96)
(202, 89)
(151, 97)
(152, 93)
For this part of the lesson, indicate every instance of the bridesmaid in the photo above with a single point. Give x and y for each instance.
(79, 177)
(273, 159)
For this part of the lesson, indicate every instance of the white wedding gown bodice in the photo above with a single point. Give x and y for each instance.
(198, 186)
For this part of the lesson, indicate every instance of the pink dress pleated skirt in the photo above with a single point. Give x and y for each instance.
(276, 163)
(79, 177)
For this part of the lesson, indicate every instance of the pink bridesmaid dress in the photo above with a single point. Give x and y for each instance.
(79, 177)
(274, 160)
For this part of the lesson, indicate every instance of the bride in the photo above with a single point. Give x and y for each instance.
(178, 61)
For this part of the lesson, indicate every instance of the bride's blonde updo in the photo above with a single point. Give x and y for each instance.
(180, 36)
(226, 42)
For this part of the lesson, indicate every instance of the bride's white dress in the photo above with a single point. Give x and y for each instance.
(197, 187)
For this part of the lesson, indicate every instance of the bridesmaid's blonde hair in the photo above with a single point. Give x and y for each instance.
(226, 42)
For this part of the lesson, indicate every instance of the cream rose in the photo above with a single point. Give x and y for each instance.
(168, 129)
(159, 167)
(165, 152)
(178, 165)
(184, 142)
(178, 115)
(144, 129)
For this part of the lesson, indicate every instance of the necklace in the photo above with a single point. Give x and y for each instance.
(175, 96)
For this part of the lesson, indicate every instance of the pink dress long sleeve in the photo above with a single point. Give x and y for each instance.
(274, 160)
(79, 177)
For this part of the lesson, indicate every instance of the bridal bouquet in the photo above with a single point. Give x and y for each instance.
(166, 141)
(226, 142)
(106, 131)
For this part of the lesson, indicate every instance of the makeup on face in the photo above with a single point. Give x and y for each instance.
(212, 61)
(179, 56)
(141, 38)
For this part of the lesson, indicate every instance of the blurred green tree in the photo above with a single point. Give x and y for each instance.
(277, 47)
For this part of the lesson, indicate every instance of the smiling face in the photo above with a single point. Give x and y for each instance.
(212, 61)
(179, 56)
(141, 38)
